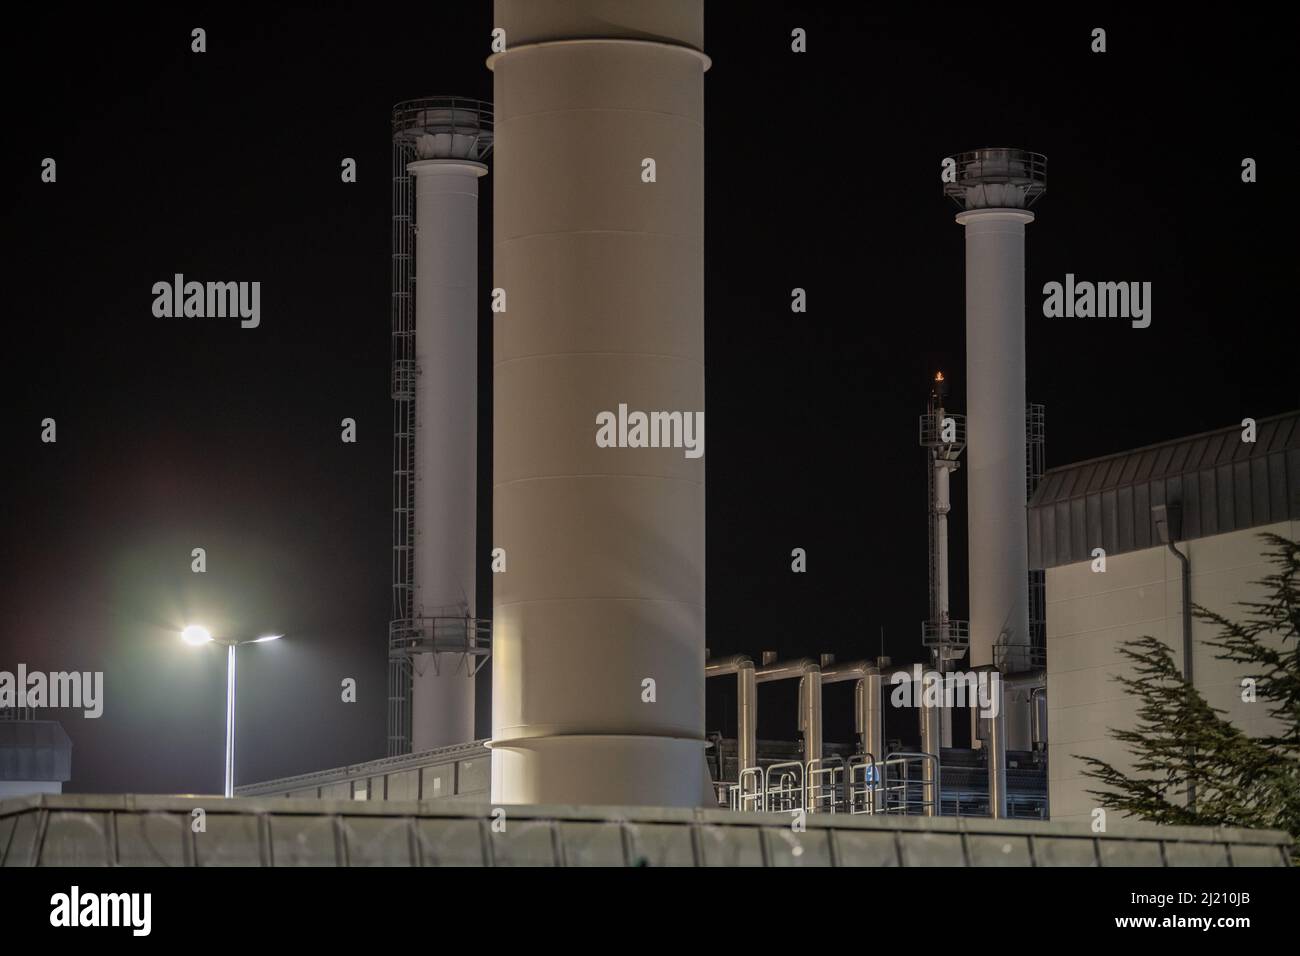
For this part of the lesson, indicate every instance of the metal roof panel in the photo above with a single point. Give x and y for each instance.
(1223, 483)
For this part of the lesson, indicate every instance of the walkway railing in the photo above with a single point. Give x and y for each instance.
(901, 784)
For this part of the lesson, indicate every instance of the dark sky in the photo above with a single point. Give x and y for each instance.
(822, 171)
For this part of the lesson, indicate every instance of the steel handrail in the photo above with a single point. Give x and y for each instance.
(784, 790)
(871, 783)
(813, 771)
(741, 795)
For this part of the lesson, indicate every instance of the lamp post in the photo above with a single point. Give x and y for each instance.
(196, 636)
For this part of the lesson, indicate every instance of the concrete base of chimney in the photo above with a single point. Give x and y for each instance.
(586, 768)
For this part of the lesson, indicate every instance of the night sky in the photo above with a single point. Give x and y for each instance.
(822, 171)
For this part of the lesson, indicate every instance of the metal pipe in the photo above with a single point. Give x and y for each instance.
(1187, 649)
(1168, 521)
(747, 717)
(1038, 717)
(786, 670)
(1015, 686)
(606, 586)
(872, 715)
(860, 717)
(1025, 679)
(930, 744)
(746, 705)
(720, 666)
(998, 764)
(867, 717)
(810, 722)
(997, 754)
(930, 724)
(1187, 611)
(855, 670)
(809, 674)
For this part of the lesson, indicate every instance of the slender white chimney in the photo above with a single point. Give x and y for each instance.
(598, 621)
(449, 140)
(995, 187)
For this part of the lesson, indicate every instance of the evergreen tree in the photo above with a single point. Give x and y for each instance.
(1180, 741)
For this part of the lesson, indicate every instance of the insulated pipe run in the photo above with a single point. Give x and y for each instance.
(1038, 717)
(786, 670)
(997, 756)
(873, 716)
(747, 716)
(930, 744)
(930, 721)
(809, 674)
(867, 716)
(810, 719)
(746, 705)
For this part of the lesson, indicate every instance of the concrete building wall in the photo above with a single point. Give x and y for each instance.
(1090, 614)
(459, 771)
(146, 830)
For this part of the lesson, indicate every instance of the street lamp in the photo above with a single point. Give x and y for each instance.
(196, 636)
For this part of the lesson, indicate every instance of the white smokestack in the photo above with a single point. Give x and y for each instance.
(448, 142)
(604, 278)
(995, 188)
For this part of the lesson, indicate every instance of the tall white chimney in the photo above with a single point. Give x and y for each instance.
(995, 187)
(598, 620)
(444, 142)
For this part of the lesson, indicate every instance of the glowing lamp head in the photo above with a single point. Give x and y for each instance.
(195, 635)
(269, 637)
(938, 376)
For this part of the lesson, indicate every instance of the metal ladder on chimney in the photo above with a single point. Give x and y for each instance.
(1035, 465)
(402, 626)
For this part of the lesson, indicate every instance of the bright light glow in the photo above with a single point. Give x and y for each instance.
(269, 637)
(195, 635)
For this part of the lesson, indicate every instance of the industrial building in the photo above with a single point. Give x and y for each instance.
(35, 755)
(1178, 523)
